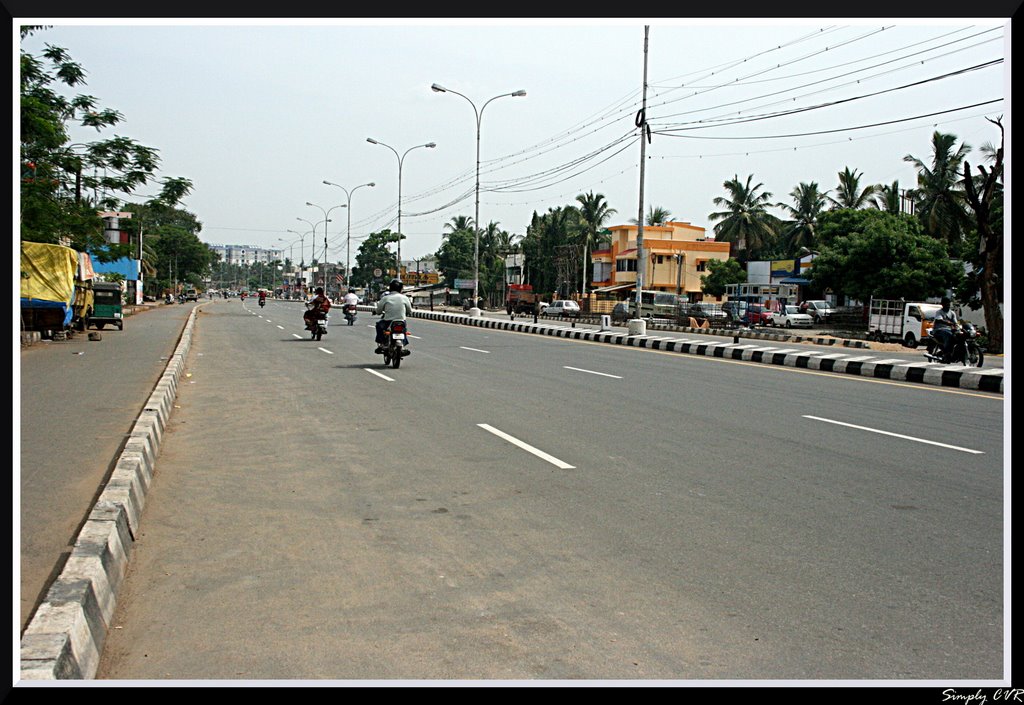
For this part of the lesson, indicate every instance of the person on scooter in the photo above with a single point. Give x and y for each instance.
(943, 327)
(394, 306)
(314, 306)
(263, 297)
(350, 298)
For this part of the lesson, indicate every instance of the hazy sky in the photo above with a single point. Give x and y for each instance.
(258, 113)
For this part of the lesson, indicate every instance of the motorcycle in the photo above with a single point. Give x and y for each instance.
(395, 345)
(964, 348)
(168, 299)
(263, 302)
(317, 326)
(350, 313)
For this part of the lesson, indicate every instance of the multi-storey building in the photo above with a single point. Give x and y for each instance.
(246, 255)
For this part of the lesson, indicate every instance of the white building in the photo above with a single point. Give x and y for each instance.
(246, 254)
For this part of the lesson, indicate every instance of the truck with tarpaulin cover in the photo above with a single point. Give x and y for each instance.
(56, 288)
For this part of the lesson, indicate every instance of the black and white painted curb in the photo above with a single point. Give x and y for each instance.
(877, 366)
(65, 637)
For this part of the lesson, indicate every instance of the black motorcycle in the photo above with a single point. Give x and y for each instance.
(964, 348)
(396, 343)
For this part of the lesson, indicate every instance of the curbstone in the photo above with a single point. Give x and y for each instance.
(926, 373)
(64, 638)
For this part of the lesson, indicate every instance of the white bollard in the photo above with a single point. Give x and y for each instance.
(637, 326)
(606, 322)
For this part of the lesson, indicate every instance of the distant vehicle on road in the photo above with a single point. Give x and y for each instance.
(563, 307)
(191, 295)
(703, 311)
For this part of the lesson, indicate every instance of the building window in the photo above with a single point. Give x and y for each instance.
(625, 265)
(702, 265)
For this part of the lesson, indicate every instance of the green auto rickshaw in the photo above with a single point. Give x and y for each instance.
(106, 306)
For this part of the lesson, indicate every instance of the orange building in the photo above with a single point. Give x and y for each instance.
(677, 255)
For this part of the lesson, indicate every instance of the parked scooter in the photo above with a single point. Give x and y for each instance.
(350, 313)
(396, 344)
(168, 299)
(964, 348)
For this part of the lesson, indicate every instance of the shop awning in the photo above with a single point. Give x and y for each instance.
(795, 280)
(614, 287)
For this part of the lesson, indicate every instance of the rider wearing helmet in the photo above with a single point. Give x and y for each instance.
(943, 326)
(393, 306)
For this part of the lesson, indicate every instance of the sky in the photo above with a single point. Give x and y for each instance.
(258, 113)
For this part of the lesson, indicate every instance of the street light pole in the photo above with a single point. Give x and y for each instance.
(475, 310)
(348, 237)
(326, 221)
(401, 159)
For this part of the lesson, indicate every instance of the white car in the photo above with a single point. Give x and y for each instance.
(563, 307)
(791, 318)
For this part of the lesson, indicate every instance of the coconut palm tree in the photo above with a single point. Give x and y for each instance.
(458, 223)
(655, 216)
(745, 221)
(594, 211)
(808, 205)
(887, 198)
(849, 194)
(939, 196)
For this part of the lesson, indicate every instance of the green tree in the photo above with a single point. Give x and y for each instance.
(58, 175)
(984, 193)
(939, 196)
(888, 198)
(800, 230)
(720, 273)
(882, 255)
(656, 215)
(455, 256)
(374, 254)
(849, 194)
(180, 257)
(594, 211)
(746, 222)
(548, 249)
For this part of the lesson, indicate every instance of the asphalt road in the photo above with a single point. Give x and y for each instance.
(77, 402)
(518, 507)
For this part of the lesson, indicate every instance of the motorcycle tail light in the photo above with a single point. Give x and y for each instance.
(398, 328)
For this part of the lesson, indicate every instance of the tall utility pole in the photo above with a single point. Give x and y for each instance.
(645, 134)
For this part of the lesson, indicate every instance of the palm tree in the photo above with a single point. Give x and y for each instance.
(745, 220)
(808, 205)
(459, 223)
(850, 194)
(655, 216)
(939, 196)
(594, 211)
(888, 198)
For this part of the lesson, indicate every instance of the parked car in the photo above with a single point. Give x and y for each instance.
(791, 317)
(819, 311)
(735, 310)
(757, 315)
(621, 313)
(563, 307)
(705, 311)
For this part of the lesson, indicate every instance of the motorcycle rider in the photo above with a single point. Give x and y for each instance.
(943, 327)
(351, 299)
(394, 306)
(319, 303)
(263, 297)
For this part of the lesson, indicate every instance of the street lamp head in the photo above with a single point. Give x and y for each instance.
(438, 88)
(371, 140)
(519, 93)
(371, 184)
(430, 144)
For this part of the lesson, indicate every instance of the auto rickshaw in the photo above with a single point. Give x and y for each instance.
(106, 306)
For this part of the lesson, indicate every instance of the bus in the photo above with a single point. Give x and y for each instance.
(658, 304)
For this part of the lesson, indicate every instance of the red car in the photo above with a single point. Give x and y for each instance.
(756, 315)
